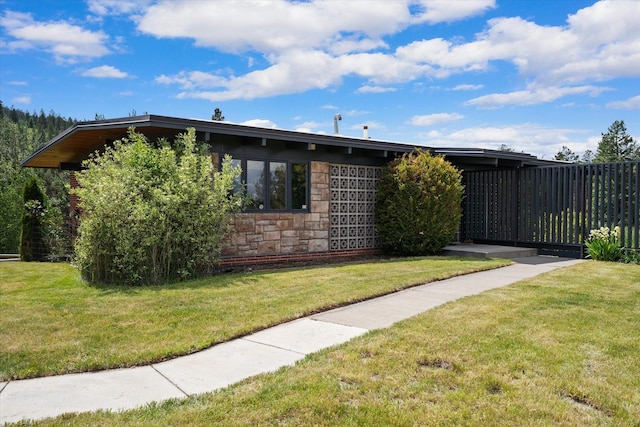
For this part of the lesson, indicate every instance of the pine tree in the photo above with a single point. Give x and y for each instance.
(567, 155)
(617, 146)
(217, 115)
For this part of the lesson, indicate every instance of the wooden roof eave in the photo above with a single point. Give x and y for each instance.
(76, 143)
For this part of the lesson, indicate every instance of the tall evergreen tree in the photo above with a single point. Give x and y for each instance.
(616, 145)
(217, 115)
(567, 155)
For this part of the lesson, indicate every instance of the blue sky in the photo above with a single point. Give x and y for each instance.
(533, 75)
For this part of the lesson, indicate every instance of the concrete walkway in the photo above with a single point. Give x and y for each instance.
(236, 360)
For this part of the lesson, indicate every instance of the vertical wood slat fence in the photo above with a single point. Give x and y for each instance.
(552, 208)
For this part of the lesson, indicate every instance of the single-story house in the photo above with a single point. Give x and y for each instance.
(313, 195)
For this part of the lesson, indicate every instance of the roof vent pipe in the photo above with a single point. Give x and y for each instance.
(335, 123)
(365, 132)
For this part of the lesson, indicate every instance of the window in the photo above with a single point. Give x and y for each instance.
(299, 186)
(255, 180)
(275, 185)
(237, 183)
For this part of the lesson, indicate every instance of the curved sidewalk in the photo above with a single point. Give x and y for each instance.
(264, 351)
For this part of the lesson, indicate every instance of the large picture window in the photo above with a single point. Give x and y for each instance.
(275, 185)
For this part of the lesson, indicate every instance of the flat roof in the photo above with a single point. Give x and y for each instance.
(76, 143)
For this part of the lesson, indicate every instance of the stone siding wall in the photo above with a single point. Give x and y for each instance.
(273, 233)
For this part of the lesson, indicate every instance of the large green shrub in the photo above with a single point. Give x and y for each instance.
(151, 214)
(419, 204)
(33, 245)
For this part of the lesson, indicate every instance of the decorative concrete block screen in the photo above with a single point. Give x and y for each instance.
(353, 197)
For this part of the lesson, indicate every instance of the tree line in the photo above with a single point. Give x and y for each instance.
(614, 146)
(21, 133)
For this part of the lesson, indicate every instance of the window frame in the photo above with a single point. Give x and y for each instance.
(267, 187)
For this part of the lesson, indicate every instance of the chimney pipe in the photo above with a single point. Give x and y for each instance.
(365, 132)
(335, 123)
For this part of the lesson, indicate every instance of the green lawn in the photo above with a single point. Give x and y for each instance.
(53, 323)
(559, 349)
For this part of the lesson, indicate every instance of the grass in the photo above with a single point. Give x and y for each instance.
(53, 323)
(559, 349)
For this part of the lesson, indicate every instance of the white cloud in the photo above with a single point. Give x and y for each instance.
(588, 48)
(297, 72)
(467, 87)
(315, 45)
(532, 96)
(574, 56)
(355, 113)
(23, 100)
(529, 138)
(632, 103)
(434, 119)
(435, 11)
(371, 125)
(276, 26)
(308, 126)
(192, 80)
(66, 42)
(293, 72)
(105, 71)
(443, 58)
(116, 7)
(262, 123)
(344, 46)
(310, 45)
(375, 89)
(382, 68)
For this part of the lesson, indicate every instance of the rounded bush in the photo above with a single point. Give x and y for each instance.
(419, 204)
